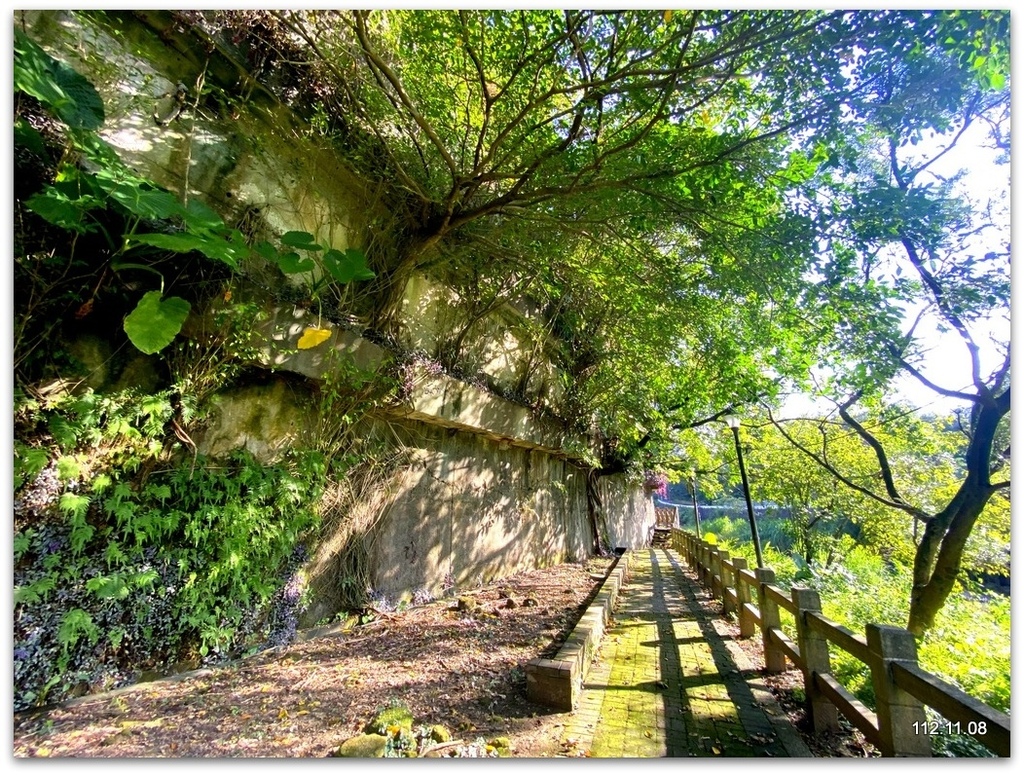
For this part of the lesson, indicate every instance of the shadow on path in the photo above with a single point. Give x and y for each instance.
(666, 682)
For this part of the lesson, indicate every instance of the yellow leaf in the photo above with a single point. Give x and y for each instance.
(715, 750)
(668, 16)
(282, 714)
(42, 752)
(313, 336)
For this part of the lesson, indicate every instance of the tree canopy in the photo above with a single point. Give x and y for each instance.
(705, 208)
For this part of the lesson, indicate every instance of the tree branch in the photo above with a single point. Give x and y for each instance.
(821, 461)
(378, 64)
(927, 382)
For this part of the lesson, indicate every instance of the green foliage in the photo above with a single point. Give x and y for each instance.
(321, 265)
(969, 646)
(28, 461)
(155, 321)
(111, 199)
(631, 178)
(73, 99)
(186, 559)
(34, 592)
(73, 626)
(690, 233)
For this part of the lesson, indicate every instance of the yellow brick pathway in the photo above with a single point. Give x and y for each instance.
(666, 682)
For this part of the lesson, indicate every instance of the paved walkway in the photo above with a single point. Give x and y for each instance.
(666, 682)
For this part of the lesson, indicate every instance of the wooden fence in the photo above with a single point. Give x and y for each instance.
(898, 725)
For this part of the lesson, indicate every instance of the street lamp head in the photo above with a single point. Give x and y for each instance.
(731, 420)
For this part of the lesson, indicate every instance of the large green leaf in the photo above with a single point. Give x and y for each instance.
(155, 321)
(60, 210)
(145, 202)
(211, 246)
(75, 101)
(290, 263)
(348, 266)
(300, 239)
(197, 216)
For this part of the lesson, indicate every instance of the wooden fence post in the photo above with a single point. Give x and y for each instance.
(774, 658)
(725, 580)
(742, 598)
(901, 720)
(715, 582)
(814, 654)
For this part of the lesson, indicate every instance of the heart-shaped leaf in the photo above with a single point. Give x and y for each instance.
(155, 321)
(313, 337)
(300, 239)
(290, 263)
(348, 266)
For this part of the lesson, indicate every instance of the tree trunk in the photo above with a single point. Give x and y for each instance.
(595, 510)
(938, 557)
(934, 579)
(394, 270)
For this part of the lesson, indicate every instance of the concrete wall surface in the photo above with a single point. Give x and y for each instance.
(471, 510)
(629, 512)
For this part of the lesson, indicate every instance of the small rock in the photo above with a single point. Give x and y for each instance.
(466, 603)
(510, 603)
(396, 716)
(530, 602)
(501, 745)
(504, 593)
(440, 734)
(363, 746)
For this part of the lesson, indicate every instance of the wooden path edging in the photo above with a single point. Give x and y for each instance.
(558, 682)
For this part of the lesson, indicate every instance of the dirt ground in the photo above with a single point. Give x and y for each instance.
(462, 669)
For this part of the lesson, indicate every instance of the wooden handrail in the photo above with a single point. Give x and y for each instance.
(841, 636)
(964, 714)
(780, 597)
(902, 687)
(855, 711)
(786, 645)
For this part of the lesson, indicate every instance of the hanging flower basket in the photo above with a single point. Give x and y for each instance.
(655, 483)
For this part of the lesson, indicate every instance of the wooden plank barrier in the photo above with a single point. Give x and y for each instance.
(897, 726)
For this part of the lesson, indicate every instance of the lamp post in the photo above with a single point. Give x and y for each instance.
(734, 425)
(696, 511)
